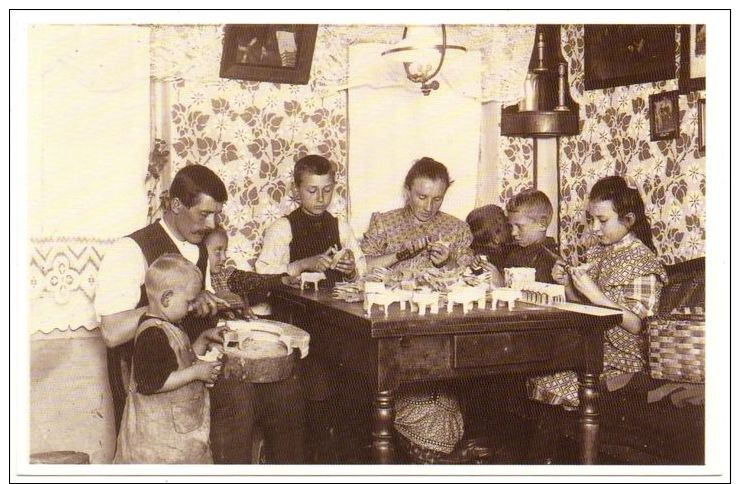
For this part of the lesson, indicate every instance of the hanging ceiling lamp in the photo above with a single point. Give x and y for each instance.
(422, 51)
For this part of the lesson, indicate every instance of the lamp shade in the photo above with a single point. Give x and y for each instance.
(422, 51)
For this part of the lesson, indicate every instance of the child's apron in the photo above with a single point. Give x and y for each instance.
(169, 427)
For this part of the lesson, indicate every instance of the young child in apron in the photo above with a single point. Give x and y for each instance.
(167, 415)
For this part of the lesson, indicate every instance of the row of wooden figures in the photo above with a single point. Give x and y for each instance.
(467, 296)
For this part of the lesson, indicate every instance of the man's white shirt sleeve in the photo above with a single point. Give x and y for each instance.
(120, 278)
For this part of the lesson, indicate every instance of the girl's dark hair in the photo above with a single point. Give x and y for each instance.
(625, 200)
(314, 165)
(427, 168)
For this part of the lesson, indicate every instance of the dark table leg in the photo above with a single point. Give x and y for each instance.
(384, 414)
(589, 421)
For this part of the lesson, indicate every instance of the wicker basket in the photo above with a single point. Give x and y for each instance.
(676, 350)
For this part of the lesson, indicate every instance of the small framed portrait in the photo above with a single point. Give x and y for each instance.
(692, 70)
(619, 55)
(664, 115)
(702, 137)
(280, 53)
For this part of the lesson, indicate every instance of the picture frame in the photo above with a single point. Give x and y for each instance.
(702, 133)
(692, 67)
(619, 55)
(280, 53)
(664, 115)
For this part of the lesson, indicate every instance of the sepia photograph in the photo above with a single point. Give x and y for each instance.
(692, 70)
(274, 53)
(664, 118)
(373, 246)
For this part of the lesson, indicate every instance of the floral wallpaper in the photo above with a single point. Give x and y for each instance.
(251, 133)
(615, 140)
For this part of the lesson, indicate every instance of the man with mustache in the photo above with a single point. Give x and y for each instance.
(196, 199)
(197, 196)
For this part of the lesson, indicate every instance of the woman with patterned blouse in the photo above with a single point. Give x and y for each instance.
(419, 236)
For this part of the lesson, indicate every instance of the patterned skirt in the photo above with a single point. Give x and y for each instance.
(623, 353)
(429, 418)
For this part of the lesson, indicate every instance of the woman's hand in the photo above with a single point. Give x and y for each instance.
(439, 253)
(496, 277)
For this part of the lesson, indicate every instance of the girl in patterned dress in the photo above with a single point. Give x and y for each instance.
(622, 272)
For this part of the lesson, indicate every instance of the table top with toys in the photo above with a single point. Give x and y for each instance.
(443, 297)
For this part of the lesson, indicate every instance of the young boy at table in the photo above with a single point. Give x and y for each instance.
(167, 417)
(529, 214)
(305, 239)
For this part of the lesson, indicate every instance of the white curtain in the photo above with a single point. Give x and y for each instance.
(88, 90)
(391, 124)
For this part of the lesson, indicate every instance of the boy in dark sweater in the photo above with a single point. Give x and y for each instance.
(529, 214)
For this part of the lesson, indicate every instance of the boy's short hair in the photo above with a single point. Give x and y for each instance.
(533, 203)
(314, 165)
(218, 230)
(169, 271)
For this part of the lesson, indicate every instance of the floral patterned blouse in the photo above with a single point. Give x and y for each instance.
(390, 231)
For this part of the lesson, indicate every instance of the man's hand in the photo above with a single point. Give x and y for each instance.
(207, 304)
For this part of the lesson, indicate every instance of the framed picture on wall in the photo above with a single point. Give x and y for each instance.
(702, 137)
(692, 70)
(619, 55)
(280, 53)
(664, 115)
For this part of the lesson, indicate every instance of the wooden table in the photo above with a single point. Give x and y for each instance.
(405, 347)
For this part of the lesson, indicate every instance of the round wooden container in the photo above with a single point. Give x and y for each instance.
(259, 361)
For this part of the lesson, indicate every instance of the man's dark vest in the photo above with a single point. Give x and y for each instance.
(313, 235)
(153, 242)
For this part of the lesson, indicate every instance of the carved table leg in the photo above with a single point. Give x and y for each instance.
(383, 416)
(589, 421)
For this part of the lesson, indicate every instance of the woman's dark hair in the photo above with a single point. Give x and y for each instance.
(427, 168)
(625, 200)
(193, 180)
(314, 165)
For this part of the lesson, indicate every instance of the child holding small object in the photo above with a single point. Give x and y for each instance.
(309, 238)
(529, 213)
(278, 406)
(624, 273)
(491, 234)
(238, 287)
(167, 419)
